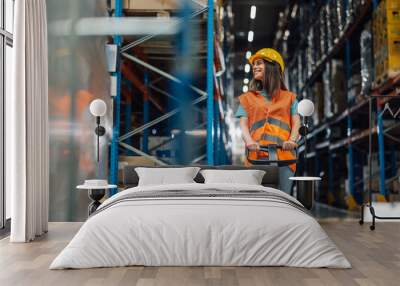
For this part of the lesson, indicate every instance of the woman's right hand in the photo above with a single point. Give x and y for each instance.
(252, 145)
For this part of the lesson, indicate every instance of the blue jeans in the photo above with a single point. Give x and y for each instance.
(285, 184)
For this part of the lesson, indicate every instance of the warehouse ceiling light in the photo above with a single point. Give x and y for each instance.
(247, 68)
(246, 81)
(245, 88)
(253, 12)
(248, 55)
(250, 36)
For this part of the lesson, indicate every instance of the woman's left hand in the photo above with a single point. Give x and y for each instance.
(289, 145)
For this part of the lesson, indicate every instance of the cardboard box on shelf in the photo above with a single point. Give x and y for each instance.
(339, 95)
(391, 4)
(396, 186)
(386, 40)
(388, 67)
(394, 197)
(387, 5)
(375, 174)
(133, 160)
(137, 160)
(393, 16)
(318, 91)
(326, 77)
(359, 98)
(354, 87)
(379, 69)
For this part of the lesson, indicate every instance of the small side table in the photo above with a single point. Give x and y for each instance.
(306, 190)
(96, 193)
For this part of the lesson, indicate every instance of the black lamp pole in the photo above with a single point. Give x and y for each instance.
(303, 132)
(98, 137)
(305, 144)
(100, 131)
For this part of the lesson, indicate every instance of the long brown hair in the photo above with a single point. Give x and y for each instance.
(272, 81)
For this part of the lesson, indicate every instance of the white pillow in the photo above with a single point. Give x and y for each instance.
(248, 177)
(166, 176)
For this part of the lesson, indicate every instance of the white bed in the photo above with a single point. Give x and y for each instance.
(269, 229)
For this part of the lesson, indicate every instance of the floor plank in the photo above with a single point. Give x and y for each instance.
(375, 257)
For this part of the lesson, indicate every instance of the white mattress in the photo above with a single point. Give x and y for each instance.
(204, 231)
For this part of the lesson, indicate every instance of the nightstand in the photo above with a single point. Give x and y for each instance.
(306, 190)
(96, 193)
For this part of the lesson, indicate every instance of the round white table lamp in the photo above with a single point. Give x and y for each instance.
(305, 108)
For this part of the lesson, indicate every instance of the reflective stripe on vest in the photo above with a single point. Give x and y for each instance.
(272, 121)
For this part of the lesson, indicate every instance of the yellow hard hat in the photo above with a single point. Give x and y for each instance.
(269, 55)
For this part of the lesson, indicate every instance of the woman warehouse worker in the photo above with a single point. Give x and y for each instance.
(268, 113)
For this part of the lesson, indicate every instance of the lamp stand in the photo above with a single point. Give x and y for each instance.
(305, 145)
(100, 131)
(303, 132)
(98, 137)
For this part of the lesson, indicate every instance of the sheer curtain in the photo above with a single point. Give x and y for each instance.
(27, 144)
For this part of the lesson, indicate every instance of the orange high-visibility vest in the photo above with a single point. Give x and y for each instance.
(269, 122)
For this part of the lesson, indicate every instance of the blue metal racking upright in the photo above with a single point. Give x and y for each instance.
(113, 177)
(381, 145)
(210, 83)
(146, 114)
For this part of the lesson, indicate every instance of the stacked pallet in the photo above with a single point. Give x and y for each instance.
(386, 32)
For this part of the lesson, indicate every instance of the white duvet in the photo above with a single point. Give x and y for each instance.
(200, 231)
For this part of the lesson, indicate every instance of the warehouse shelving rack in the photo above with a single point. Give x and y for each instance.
(216, 133)
(341, 42)
(345, 118)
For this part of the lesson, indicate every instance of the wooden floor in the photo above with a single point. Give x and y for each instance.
(375, 257)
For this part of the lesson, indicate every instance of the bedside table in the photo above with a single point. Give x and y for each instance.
(305, 190)
(96, 193)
